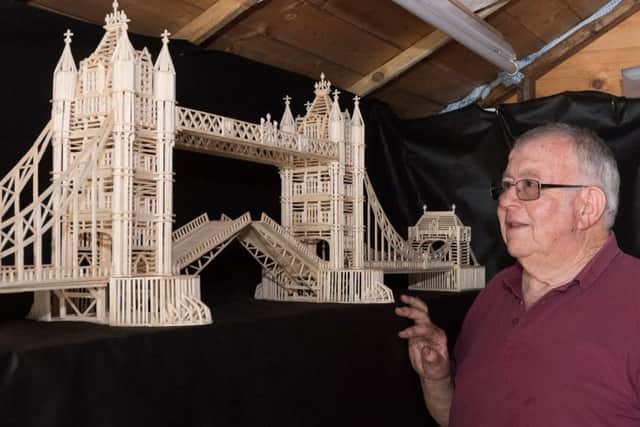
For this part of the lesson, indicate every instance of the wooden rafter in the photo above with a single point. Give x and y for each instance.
(565, 49)
(213, 19)
(410, 57)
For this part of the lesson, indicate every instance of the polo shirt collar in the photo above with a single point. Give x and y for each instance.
(594, 268)
(585, 278)
(513, 280)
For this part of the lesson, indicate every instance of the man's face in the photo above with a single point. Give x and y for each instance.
(540, 230)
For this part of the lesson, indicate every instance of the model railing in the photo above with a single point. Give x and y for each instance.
(156, 301)
(354, 286)
(189, 227)
(50, 273)
(91, 106)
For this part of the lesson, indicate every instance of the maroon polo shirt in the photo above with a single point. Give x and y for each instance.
(571, 359)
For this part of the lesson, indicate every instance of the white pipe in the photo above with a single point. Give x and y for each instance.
(454, 19)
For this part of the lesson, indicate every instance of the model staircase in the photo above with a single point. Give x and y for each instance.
(197, 243)
(286, 262)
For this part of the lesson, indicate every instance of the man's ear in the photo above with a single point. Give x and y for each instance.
(591, 207)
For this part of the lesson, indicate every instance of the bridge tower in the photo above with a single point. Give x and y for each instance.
(317, 199)
(323, 202)
(119, 225)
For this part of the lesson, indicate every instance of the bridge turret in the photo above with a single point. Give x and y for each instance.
(123, 102)
(164, 92)
(65, 74)
(357, 147)
(164, 73)
(65, 77)
(336, 127)
(337, 172)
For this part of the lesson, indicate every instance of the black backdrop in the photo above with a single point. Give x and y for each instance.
(438, 161)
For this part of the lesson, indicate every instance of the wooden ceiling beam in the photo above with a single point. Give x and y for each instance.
(213, 20)
(565, 49)
(410, 57)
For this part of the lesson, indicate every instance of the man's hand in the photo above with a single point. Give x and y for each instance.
(429, 357)
(427, 343)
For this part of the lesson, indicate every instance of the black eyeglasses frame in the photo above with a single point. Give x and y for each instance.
(497, 191)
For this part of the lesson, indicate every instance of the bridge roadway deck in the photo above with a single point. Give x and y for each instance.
(53, 284)
(407, 267)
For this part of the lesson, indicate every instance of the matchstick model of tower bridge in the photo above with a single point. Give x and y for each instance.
(107, 214)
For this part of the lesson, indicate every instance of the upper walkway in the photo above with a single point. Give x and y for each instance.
(263, 143)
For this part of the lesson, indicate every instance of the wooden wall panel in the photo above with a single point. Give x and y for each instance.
(597, 66)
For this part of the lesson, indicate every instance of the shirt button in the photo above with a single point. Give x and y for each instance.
(515, 321)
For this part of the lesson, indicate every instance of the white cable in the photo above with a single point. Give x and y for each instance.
(506, 79)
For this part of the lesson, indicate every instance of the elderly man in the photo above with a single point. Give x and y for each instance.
(553, 340)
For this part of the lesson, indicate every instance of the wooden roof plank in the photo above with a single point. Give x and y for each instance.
(385, 20)
(267, 50)
(213, 20)
(408, 105)
(433, 81)
(546, 22)
(585, 8)
(410, 57)
(147, 17)
(308, 27)
(521, 38)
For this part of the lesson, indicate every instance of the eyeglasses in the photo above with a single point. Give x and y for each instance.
(527, 189)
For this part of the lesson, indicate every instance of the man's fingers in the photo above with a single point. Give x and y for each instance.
(415, 303)
(428, 332)
(430, 354)
(414, 314)
(427, 360)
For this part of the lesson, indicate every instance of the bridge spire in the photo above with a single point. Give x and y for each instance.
(67, 37)
(357, 119)
(322, 87)
(287, 123)
(66, 62)
(65, 73)
(164, 62)
(336, 126)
